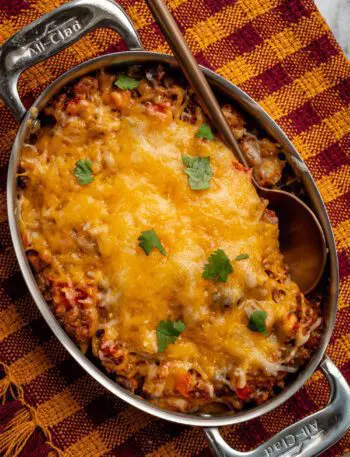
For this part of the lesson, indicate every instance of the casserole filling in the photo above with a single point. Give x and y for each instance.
(153, 248)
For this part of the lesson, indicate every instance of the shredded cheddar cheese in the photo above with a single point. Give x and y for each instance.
(87, 237)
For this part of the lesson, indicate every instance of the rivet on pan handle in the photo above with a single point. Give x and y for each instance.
(53, 32)
(308, 437)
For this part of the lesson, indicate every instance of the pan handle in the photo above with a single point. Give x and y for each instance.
(53, 32)
(308, 437)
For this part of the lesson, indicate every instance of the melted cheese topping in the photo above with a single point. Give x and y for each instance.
(88, 234)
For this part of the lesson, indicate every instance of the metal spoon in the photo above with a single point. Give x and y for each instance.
(302, 241)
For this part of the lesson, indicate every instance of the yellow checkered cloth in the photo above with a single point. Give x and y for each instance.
(280, 52)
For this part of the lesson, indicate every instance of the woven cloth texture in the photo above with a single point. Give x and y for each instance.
(280, 52)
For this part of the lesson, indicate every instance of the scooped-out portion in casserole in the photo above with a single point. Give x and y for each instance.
(154, 250)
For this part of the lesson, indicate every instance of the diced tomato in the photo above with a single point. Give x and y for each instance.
(295, 326)
(68, 296)
(158, 109)
(183, 384)
(238, 166)
(243, 394)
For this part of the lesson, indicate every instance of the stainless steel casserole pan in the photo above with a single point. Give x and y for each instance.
(54, 32)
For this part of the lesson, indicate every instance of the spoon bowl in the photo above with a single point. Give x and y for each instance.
(301, 238)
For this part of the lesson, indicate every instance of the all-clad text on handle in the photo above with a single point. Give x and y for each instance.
(308, 437)
(52, 33)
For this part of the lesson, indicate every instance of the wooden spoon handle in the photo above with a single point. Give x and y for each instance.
(193, 74)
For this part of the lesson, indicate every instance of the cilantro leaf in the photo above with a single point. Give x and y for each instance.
(168, 332)
(242, 257)
(257, 322)
(204, 131)
(218, 267)
(83, 172)
(149, 240)
(124, 82)
(199, 172)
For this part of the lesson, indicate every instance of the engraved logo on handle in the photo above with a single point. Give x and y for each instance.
(54, 34)
(293, 443)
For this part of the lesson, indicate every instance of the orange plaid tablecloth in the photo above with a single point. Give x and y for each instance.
(282, 53)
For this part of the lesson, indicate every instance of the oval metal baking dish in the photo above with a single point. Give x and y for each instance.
(54, 32)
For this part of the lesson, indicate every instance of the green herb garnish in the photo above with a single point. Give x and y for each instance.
(199, 172)
(124, 82)
(83, 172)
(168, 332)
(242, 257)
(257, 322)
(149, 240)
(204, 131)
(218, 267)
